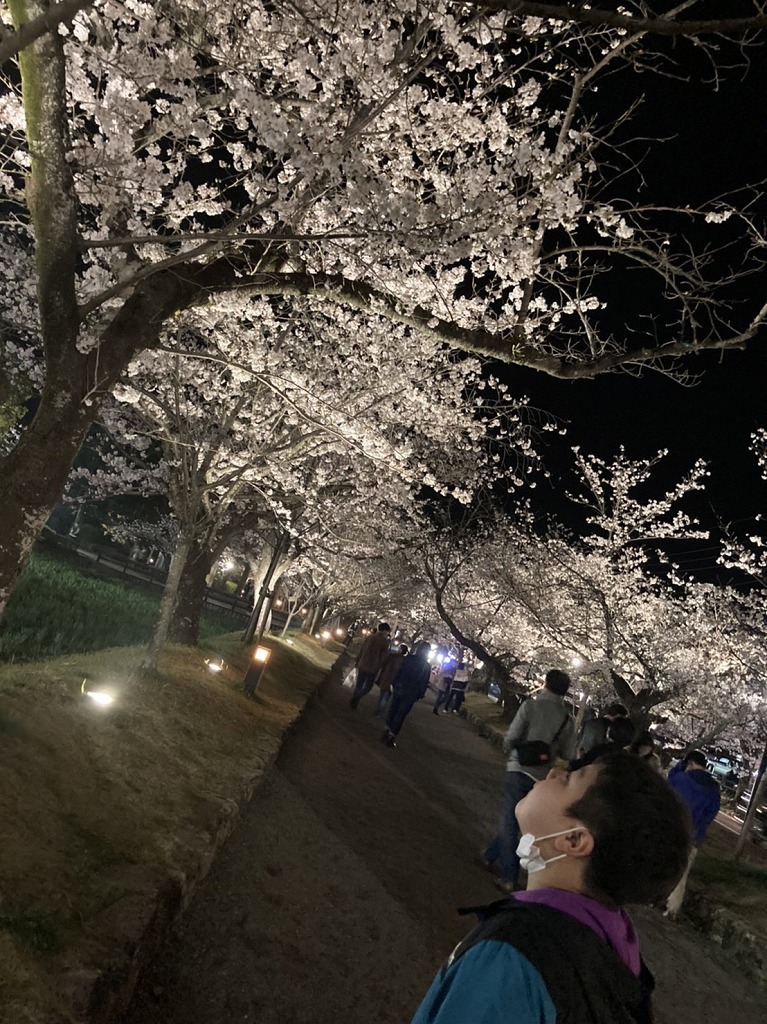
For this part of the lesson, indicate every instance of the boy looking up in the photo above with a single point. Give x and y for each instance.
(593, 840)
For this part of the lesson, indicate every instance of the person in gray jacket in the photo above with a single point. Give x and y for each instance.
(544, 718)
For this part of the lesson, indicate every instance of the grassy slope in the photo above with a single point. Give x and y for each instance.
(99, 805)
(58, 607)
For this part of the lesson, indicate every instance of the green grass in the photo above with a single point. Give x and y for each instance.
(736, 876)
(37, 932)
(56, 609)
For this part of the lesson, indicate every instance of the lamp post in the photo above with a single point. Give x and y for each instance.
(255, 670)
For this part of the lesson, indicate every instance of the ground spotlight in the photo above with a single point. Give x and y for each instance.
(100, 697)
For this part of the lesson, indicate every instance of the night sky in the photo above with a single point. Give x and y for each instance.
(720, 144)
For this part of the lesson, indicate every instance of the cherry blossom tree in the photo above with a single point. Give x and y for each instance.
(426, 164)
(258, 422)
(591, 598)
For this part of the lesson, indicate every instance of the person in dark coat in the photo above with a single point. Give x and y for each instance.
(595, 730)
(700, 792)
(410, 685)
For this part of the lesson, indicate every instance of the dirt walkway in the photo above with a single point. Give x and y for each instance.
(335, 900)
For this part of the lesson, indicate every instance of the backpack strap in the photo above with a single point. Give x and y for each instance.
(559, 730)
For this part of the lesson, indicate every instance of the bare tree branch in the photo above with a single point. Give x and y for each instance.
(12, 42)
(581, 14)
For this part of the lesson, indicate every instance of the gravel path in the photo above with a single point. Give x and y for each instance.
(334, 902)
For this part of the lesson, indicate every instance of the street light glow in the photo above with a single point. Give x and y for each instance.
(261, 654)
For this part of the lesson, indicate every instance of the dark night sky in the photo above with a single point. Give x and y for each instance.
(720, 144)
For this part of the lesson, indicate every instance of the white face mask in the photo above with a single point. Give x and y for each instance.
(530, 856)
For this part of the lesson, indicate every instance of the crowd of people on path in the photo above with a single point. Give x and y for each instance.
(595, 824)
(403, 677)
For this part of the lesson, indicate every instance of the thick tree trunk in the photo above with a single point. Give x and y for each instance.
(639, 704)
(168, 600)
(185, 624)
(33, 477)
(316, 614)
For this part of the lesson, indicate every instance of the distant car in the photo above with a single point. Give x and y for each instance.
(724, 769)
(494, 692)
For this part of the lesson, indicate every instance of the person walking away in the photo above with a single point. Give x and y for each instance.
(594, 731)
(386, 676)
(370, 661)
(700, 792)
(410, 685)
(594, 840)
(544, 719)
(444, 683)
(458, 689)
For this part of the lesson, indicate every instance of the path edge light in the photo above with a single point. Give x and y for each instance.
(255, 671)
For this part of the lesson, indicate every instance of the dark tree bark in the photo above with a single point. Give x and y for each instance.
(185, 624)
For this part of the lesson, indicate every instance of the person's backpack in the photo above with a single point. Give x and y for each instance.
(537, 753)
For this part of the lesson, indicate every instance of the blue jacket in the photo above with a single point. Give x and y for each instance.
(412, 680)
(532, 964)
(700, 792)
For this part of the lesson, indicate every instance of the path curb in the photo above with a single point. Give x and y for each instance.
(728, 931)
(494, 736)
(144, 922)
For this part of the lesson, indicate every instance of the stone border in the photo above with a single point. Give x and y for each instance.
(100, 996)
(728, 931)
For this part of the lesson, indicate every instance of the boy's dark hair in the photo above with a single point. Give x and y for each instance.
(641, 832)
(403, 648)
(558, 682)
(696, 757)
(384, 627)
(615, 710)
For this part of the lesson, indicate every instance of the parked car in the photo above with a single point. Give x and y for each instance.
(724, 770)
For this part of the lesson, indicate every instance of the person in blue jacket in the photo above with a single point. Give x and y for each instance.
(702, 795)
(610, 833)
(410, 684)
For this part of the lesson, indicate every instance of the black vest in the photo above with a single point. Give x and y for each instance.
(586, 980)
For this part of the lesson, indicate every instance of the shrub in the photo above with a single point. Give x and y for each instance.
(56, 609)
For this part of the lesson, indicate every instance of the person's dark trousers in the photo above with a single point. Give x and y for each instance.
(383, 700)
(456, 699)
(399, 709)
(442, 696)
(364, 685)
(504, 847)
